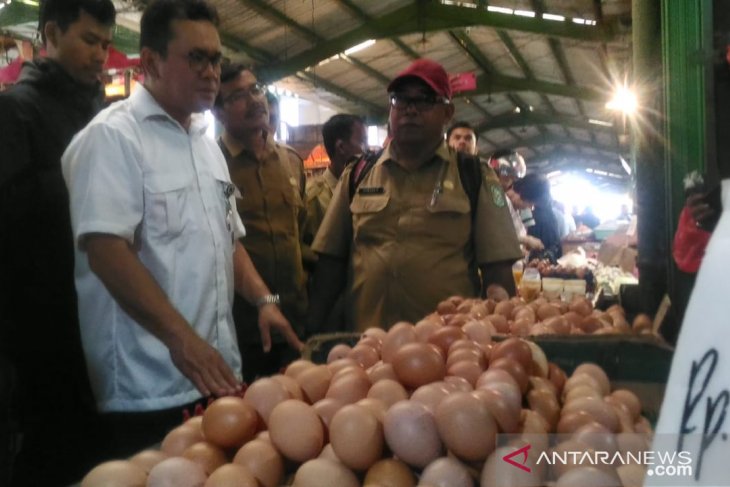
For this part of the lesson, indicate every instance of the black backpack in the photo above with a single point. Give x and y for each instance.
(470, 173)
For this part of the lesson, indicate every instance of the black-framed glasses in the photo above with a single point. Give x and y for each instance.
(420, 103)
(256, 90)
(200, 60)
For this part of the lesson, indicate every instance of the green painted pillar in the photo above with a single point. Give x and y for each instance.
(648, 151)
(687, 60)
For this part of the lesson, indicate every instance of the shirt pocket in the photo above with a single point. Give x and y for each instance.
(448, 221)
(369, 217)
(168, 195)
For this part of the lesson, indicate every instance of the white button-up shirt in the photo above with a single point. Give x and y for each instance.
(136, 173)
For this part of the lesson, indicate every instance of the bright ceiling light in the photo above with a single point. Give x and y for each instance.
(559, 18)
(600, 122)
(624, 101)
(360, 47)
(500, 10)
(524, 13)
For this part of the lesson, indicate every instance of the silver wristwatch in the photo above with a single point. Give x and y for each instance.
(268, 299)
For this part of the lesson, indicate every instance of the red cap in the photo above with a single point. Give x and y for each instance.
(430, 72)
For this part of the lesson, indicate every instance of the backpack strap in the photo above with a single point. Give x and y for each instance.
(361, 168)
(470, 173)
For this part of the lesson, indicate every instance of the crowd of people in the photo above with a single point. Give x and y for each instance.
(147, 267)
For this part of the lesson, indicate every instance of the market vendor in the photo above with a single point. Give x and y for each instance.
(157, 255)
(405, 226)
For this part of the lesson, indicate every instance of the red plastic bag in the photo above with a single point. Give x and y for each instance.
(690, 242)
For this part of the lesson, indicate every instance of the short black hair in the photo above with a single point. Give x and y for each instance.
(66, 12)
(338, 127)
(461, 124)
(156, 25)
(229, 72)
(534, 188)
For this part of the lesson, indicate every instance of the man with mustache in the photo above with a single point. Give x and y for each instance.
(407, 230)
(53, 99)
(270, 179)
(157, 256)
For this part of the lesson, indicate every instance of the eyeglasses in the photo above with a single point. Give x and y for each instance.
(200, 60)
(256, 90)
(420, 103)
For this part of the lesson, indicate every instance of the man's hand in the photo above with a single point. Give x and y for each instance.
(699, 208)
(204, 366)
(270, 317)
(532, 243)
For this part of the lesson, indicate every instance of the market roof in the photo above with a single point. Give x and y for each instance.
(544, 68)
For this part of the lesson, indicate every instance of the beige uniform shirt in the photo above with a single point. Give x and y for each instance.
(271, 205)
(319, 196)
(409, 250)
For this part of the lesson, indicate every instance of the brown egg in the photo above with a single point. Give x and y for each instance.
(504, 308)
(587, 476)
(338, 351)
(580, 391)
(195, 422)
(446, 472)
(466, 426)
(340, 364)
(559, 324)
(324, 473)
(147, 459)
(520, 327)
(467, 370)
(431, 395)
(116, 473)
(505, 414)
(456, 321)
(496, 375)
(642, 322)
(373, 332)
(375, 406)
(631, 475)
(263, 461)
(372, 342)
(388, 391)
(350, 369)
(480, 331)
(446, 307)
(207, 455)
(381, 371)
(570, 422)
(231, 475)
(177, 440)
(326, 408)
(546, 311)
(546, 404)
(510, 391)
(356, 436)
(540, 366)
(349, 388)
(457, 384)
(329, 454)
(562, 450)
(296, 430)
(556, 376)
(400, 334)
(229, 422)
(264, 394)
(479, 310)
(444, 337)
(597, 373)
(499, 322)
(389, 473)
(364, 355)
(296, 367)
(542, 383)
(464, 343)
(597, 437)
(176, 472)
(291, 386)
(411, 433)
(416, 364)
(590, 324)
(496, 468)
(425, 328)
(578, 380)
(475, 355)
(514, 368)
(314, 382)
(516, 349)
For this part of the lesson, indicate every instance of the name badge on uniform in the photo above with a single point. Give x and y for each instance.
(371, 190)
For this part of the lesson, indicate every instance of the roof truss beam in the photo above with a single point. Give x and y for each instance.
(508, 120)
(421, 17)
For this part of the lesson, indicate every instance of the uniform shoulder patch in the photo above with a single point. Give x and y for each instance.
(497, 195)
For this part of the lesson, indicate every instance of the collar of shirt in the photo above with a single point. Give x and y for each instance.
(144, 106)
(442, 153)
(234, 148)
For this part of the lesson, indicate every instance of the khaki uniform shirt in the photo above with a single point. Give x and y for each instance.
(271, 205)
(319, 196)
(407, 249)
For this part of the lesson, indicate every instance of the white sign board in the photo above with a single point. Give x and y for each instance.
(697, 396)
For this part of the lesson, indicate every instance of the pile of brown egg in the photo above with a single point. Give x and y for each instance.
(418, 405)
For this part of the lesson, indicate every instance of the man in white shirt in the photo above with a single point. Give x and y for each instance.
(157, 251)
